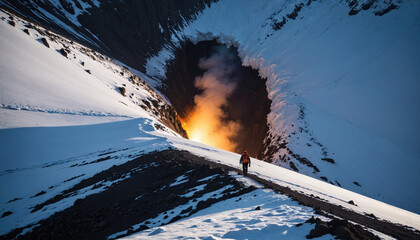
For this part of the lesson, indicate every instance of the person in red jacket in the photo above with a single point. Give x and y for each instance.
(245, 161)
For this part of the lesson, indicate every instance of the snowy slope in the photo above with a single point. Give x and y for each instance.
(62, 125)
(235, 219)
(41, 87)
(307, 185)
(40, 79)
(60, 111)
(344, 87)
(130, 141)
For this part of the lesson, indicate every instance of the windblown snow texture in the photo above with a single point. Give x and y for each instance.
(341, 77)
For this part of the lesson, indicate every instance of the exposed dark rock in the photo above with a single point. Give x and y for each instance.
(293, 166)
(78, 201)
(67, 6)
(88, 71)
(187, 210)
(352, 3)
(278, 25)
(354, 11)
(141, 228)
(15, 199)
(11, 22)
(154, 102)
(98, 185)
(303, 160)
(357, 184)
(330, 160)
(313, 220)
(345, 230)
(70, 179)
(258, 208)
(122, 91)
(64, 52)
(26, 31)
(147, 103)
(159, 127)
(39, 194)
(352, 203)
(295, 12)
(386, 10)
(271, 148)
(5, 214)
(367, 5)
(106, 153)
(45, 42)
(371, 215)
(319, 230)
(355, 8)
(324, 178)
(78, 5)
(97, 160)
(342, 229)
(338, 183)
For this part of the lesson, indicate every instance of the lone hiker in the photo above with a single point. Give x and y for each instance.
(245, 161)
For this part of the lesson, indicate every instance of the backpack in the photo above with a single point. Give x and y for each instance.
(245, 159)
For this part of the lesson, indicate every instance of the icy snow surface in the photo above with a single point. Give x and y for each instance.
(58, 121)
(343, 87)
(237, 218)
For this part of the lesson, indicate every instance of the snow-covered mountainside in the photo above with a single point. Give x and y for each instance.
(90, 151)
(109, 26)
(343, 80)
(46, 73)
(341, 75)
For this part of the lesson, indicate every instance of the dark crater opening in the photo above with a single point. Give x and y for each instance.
(249, 104)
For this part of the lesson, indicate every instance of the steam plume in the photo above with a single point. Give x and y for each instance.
(207, 121)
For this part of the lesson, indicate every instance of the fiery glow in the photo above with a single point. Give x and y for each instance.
(207, 127)
(206, 121)
(211, 131)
